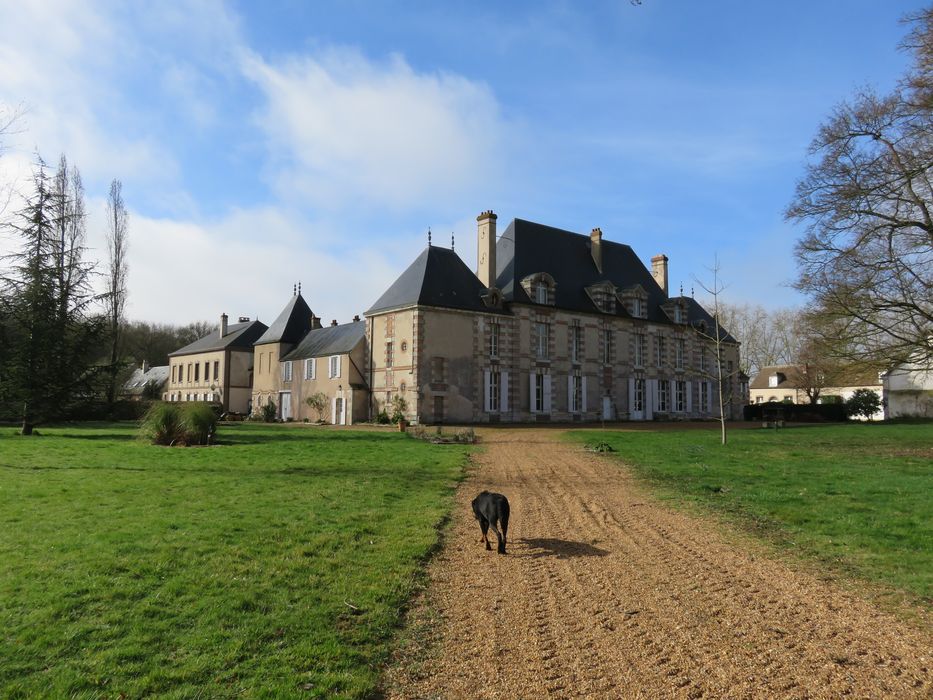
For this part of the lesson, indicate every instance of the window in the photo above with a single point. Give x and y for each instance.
(540, 292)
(174, 367)
(638, 310)
(664, 395)
(576, 342)
(309, 368)
(703, 359)
(680, 404)
(389, 354)
(197, 368)
(540, 340)
(188, 373)
(679, 353)
(333, 367)
(678, 314)
(607, 345)
(207, 371)
(759, 399)
(661, 348)
(704, 396)
(437, 370)
(575, 397)
(287, 371)
(538, 396)
(773, 380)
(638, 402)
(495, 389)
(216, 370)
(641, 349)
(494, 340)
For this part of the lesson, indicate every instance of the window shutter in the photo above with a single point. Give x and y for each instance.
(583, 394)
(570, 406)
(689, 399)
(651, 390)
(504, 392)
(547, 393)
(533, 392)
(631, 395)
(337, 362)
(486, 397)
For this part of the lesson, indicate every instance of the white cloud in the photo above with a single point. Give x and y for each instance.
(344, 130)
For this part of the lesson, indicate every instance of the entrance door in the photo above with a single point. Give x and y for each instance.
(607, 408)
(340, 417)
(285, 405)
(438, 409)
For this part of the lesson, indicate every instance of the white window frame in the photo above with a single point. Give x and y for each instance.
(542, 338)
(540, 292)
(494, 340)
(664, 395)
(680, 396)
(679, 350)
(607, 345)
(638, 400)
(576, 342)
(310, 368)
(287, 371)
(660, 350)
(641, 349)
(333, 367)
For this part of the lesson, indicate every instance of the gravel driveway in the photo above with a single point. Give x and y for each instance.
(606, 594)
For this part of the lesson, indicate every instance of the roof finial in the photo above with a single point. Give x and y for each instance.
(691, 292)
(451, 241)
(429, 236)
(299, 286)
(681, 289)
(294, 289)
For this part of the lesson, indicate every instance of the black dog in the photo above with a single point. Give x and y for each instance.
(490, 509)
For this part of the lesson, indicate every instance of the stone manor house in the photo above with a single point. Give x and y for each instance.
(552, 326)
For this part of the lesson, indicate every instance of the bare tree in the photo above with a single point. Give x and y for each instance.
(116, 280)
(720, 340)
(866, 259)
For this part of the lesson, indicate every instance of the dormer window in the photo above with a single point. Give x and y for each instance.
(638, 308)
(775, 379)
(540, 288)
(603, 296)
(540, 292)
(679, 314)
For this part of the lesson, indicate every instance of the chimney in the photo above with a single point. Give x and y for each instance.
(333, 322)
(659, 271)
(486, 248)
(315, 322)
(223, 325)
(596, 247)
(356, 318)
(145, 367)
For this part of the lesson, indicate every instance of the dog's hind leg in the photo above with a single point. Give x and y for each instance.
(500, 538)
(504, 522)
(484, 526)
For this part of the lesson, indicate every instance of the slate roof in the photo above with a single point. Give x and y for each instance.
(291, 324)
(138, 380)
(848, 376)
(791, 377)
(331, 340)
(696, 315)
(239, 336)
(437, 277)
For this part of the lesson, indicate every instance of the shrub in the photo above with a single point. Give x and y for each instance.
(318, 401)
(863, 402)
(399, 406)
(267, 412)
(382, 417)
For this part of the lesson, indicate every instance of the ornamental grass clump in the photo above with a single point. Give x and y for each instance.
(179, 424)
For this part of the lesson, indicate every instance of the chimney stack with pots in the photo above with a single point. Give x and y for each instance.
(486, 248)
(333, 322)
(356, 318)
(223, 325)
(315, 322)
(596, 247)
(659, 271)
(145, 367)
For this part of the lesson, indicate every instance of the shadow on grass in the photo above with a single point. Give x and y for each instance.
(562, 549)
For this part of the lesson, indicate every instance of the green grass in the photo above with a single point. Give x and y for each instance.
(858, 498)
(211, 572)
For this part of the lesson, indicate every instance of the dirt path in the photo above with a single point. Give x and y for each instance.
(606, 595)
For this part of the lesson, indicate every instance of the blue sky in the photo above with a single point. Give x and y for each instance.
(264, 143)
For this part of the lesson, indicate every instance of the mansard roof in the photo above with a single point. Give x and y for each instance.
(240, 336)
(526, 248)
(437, 277)
(291, 324)
(331, 340)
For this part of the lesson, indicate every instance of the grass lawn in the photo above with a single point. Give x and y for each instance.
(135, 570)
(858, 497)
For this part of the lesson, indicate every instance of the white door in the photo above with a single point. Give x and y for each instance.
(285, 405)
(340, 417)
(607, 408)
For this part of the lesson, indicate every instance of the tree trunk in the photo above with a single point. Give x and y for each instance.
(27, 420)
